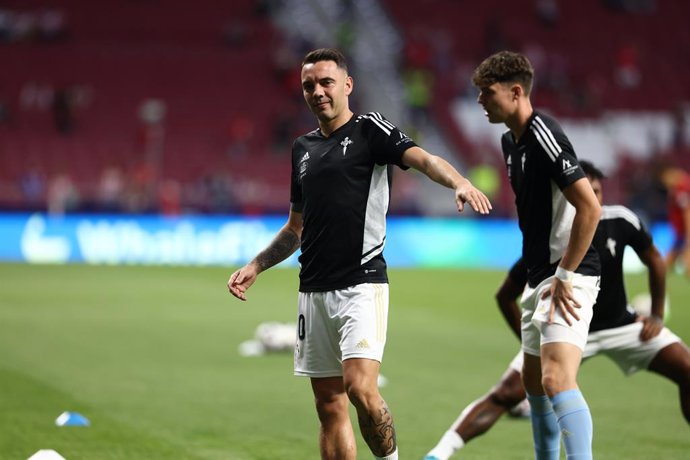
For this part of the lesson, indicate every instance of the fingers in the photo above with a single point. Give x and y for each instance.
(476, 199)
(650, 329)
(570, 307)
(565, 311)
(481, 204)
(235, 285)
(238, 293)
(566, 306)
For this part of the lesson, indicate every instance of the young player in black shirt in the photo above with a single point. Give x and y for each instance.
(632, 341)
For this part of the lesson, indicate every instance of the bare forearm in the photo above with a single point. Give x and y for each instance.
(441, 172)
(657, 290)
(584, 225)
(512, 315)
(657, 280)
(286, 242)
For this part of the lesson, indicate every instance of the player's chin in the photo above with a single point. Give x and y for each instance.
(493, 118)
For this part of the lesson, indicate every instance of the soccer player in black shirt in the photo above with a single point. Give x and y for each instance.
(339, 199)
(631, 340)
(557, 214)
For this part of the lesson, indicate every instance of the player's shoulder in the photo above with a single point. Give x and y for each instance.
(374, 119)
(309, 136)
(550, 137)
(545, 123)
(313, 134)
(611, 212)
(373, 116)
(305, 142)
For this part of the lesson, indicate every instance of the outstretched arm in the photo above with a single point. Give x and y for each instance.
(587, 214)
(442, 172)
(654, 323)
(285, 243)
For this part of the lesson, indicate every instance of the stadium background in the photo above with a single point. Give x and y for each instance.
(158, 132)
(164, 108)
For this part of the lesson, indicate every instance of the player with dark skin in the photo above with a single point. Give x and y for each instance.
(672, 361)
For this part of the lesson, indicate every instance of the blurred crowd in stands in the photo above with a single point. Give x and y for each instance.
(109, 113)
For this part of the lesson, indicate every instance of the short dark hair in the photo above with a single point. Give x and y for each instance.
(591, 170)
(326, 54)
(504, 67)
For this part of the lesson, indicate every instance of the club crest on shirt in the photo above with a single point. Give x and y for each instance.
(611, 245)
(345, 142)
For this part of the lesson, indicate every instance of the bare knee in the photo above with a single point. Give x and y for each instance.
(554, 383)
(559, 366)
(362, 394)
(331, 405)
(330, 400)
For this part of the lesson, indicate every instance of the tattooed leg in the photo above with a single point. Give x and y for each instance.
(375, 419)
(378, 430)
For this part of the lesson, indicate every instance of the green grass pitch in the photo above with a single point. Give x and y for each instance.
(149, 356)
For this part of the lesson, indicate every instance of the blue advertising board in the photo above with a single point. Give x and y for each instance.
(234, 240)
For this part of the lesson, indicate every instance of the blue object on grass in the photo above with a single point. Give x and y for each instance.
(72, 419)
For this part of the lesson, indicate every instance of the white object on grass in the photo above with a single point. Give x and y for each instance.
(46, 454)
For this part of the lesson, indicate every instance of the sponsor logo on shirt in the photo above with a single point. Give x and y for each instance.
(404, 138)
(302, 165)
(568, 167)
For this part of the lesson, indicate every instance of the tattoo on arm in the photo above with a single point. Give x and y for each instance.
(378, 431)
(282, 247)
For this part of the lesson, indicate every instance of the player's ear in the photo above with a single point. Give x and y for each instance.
(517, 91)
(349, 85)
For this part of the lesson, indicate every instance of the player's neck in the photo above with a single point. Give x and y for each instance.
(518, 123)
(328, 127)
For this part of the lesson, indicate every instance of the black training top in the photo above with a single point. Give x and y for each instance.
(619, 227)
(540, 165)
(341, 185)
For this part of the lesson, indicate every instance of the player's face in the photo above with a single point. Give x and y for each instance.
(596, 186)
(326, 88)
(499, 102)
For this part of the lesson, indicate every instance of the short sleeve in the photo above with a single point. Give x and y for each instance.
(386, 141)
(563, 167)
(295, 188)
(640, 238)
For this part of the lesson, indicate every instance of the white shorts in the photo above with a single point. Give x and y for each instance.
(337, 325)
(536, 331)
(622, 345)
